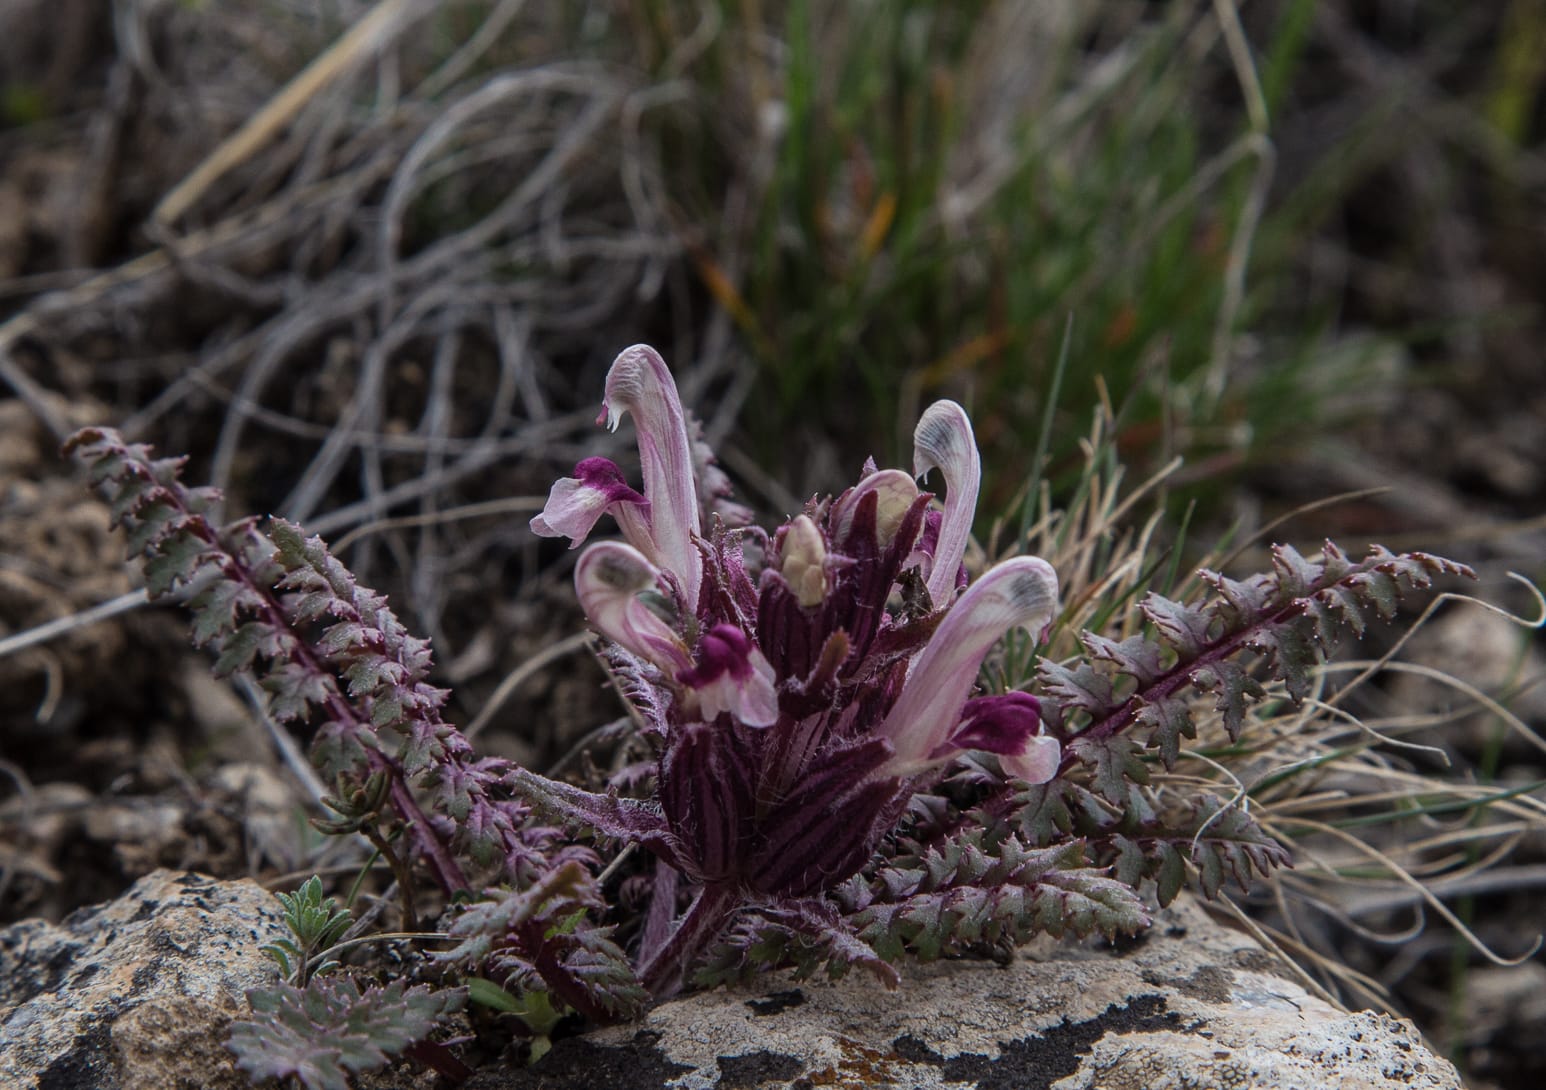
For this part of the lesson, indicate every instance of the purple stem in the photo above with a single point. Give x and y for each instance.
(704, 920)
(1179, 675)
(662, 910)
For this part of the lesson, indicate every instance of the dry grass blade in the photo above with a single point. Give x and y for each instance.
(371, 33)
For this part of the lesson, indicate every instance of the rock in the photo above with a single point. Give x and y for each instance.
(137, 993)
(1192, 1005)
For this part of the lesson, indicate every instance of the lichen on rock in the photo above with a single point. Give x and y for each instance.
(135, 994)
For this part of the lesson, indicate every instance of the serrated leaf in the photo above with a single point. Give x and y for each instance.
(338, 750)
(1169, 719)
(105, 464)
(294, 688)
(1135, 656)
(1170, 875)
(174, 560)
(1341, 602)
(1296, 576)
(1182, 627)
(243, 646)
(1293, 654)
(1235, 689)
(1239, 602)
(344, 637)
(603, 969)
(289, 542)
(1114, 763)
(149, 524)
(1041, 812)
(1380, 589)
(1078, 687)
(1334, 562)
(372, 672)
(127, 497)
(1130, 863)
(1209, 862)
(330, 1030)
(214, 609)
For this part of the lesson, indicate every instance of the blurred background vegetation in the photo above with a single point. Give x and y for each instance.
(367, 264)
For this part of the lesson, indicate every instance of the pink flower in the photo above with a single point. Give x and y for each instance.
(925, 724)
(731, 676)
(805, 690)
(663, 522)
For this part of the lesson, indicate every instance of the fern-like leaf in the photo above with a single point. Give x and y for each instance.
(538, 939)
(323, 1034)
(1285, 618)
(1213, 843)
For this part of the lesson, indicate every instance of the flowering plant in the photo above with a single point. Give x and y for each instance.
(826, 790)
(826, 783)
(797, 710)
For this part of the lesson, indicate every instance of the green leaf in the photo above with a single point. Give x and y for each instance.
(485, 993)
(330, 1030)
(1170, 876)
(1235, 689)
(1114, 763)
(1168, 720)
(243, 646)
(1181, 626)
(1296, 575)
(174, 561)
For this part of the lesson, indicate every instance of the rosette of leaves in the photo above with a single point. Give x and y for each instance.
(315, 923)
(331, 1029)
(319, 1028)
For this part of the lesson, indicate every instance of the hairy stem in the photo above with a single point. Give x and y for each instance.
(663, 974)
(1176, 678)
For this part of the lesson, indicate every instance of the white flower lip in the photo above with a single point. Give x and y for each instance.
(576, 503)
(732, 675)
(608, 580)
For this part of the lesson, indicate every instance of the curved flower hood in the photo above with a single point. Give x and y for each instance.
(803, 690)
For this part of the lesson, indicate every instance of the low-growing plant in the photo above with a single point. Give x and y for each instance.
(829, 786)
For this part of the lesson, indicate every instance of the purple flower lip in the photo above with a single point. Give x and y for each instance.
(732, 675)
(1019, 592)
(662, 524)
(597, 488)
(1009, 726)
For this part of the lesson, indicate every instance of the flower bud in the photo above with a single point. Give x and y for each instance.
(803, 562)
(895, 493)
